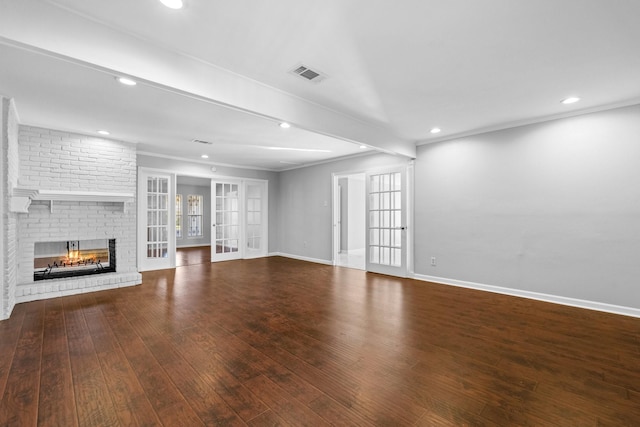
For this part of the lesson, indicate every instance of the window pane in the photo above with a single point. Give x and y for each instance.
(374, 219)
(396, 260)
(195, 207)
(374, 236)
(385, 200)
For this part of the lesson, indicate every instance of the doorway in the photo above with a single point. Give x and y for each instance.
(350, 220)
(192, 220)
(239, 219)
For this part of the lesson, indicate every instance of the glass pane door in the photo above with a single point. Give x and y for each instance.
(256, 230)
(386, 219)
(227, 221)
(156, 208)
(157, 217)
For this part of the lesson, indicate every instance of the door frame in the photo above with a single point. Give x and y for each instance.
(141, 217)
(141, 222)
(409, 185)
(243, 253)
(239, 254)
(265, 217)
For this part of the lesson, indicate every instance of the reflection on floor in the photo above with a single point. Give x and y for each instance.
(353, 258)
(192, 256)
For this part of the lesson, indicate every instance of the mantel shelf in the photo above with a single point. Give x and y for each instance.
(21, 197)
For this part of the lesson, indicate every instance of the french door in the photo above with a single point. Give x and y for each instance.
(387, 222)
(239, 219)
(156, 234)
(256, 219)
(226, 220)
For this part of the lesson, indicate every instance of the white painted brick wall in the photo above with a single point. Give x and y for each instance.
(10, 168)
(4, 206)
(52, 159)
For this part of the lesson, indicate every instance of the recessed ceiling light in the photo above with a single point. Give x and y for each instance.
(103, 132)
(570, 100)
(435, 130)
(172, 4)
(363, 147)
(126, 81)
(204, 156)
(285, 125)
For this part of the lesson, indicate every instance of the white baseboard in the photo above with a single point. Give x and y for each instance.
(573, 302)
(302, 258)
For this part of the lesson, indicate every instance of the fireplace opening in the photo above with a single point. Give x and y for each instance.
(54, 260)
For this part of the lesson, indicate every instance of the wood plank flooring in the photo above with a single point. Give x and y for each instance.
(193, 255)
(275, 341)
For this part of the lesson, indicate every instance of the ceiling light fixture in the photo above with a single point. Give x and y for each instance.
(435, 130)
(103, 132)
(285, 125)
(363, 147)
(204, 156)
(173, 4)
(126, 81)
(570, 100)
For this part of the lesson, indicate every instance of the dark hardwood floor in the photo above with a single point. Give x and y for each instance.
(275, 341)
(193, 255)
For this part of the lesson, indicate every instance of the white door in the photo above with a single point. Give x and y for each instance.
(156, 200)
(256, 219)
(226, 221)
(386, 222)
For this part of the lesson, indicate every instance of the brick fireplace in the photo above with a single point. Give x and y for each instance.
(74, 188)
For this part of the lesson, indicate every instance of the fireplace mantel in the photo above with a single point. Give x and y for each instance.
(21, 197)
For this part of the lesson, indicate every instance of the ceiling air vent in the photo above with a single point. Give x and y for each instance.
(308, 74)
(199, 141)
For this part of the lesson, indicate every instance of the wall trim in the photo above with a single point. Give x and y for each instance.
(302, 258)
(555, 299)
(531, 121)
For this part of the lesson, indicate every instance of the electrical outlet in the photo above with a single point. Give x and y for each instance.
(433, 261)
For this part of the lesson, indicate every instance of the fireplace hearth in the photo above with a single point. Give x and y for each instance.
(72, 258)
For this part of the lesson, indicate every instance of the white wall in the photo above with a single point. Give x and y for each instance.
(4, 209)
(356, 212)
(9, 169)
(54, 160)
(550, 208)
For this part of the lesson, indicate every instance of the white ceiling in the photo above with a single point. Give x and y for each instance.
(218, 70)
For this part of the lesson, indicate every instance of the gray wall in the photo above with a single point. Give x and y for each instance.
(304, 218)
(551, 208)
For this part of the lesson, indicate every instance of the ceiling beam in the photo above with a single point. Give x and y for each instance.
(47, 29)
